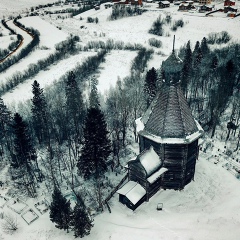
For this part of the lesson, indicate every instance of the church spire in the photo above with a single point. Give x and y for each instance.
(173, 44)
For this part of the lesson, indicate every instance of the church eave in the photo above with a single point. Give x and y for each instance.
(165, 140)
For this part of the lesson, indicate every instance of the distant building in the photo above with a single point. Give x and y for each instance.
(164, 4)
(230, 9)
(231, 14)
(184, 7)
(229, 3)
(132, 2)
(205, 2)
(205, 8)
(168, 142)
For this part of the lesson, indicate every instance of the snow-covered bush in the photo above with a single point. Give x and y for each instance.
(10, 224)
(177, 24)
(157, 27)
(155, 42)
(121, 11)
(218, 38)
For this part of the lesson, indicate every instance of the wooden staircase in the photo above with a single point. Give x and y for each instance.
(105, 202)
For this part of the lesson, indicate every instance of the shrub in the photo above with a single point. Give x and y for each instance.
(121, 11)
(157, 27)
(177, 24)
(90, 20)
(155, 42)
(218, 38)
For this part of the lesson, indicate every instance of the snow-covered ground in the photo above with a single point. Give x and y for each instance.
(15, 7)
(207, 208)
(23, 91)
(116, 66)
(6, 40)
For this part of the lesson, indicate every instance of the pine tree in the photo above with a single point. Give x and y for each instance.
(60, 210)
(214, 62)
(23, 148)
(96, 145)
(74, 104)
(204, 47)
(94, 98)
(150, 86)
(24, 156)
(81, 222)
(197, 55)
(5, 120)
(39, 113)
(187, 68)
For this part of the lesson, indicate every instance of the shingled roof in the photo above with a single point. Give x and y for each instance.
(169, 117)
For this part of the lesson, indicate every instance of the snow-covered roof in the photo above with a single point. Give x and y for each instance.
(156, 175)
(164, 2)
(133, 191)
(186, 140)
(169, 118)
(150, 160)
(173, 63)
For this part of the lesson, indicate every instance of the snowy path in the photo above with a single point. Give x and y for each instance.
(26, 37)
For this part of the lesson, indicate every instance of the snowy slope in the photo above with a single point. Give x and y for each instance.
(206, 209)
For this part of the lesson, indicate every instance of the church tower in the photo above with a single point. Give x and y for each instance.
(168, 142)
(170, 128)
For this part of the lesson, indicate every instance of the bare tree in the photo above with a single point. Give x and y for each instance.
(10, 224)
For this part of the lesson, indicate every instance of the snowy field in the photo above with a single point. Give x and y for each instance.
(15, 7)
(117, 66)
(6, 40)
(208, 208)
(46, 78)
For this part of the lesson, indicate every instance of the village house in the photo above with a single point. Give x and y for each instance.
(230, 9)
(205, 8)
(131, 2)
(168, 142)
(164, 4)
(231, 14)
(184, 7)
(229, 3)
(205, 2)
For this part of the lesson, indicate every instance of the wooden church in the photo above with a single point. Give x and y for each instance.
(168, 142)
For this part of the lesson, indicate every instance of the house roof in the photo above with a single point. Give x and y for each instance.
(154, 177)
(133, 191)
(164, 2)
(169, 118)
(150, 161)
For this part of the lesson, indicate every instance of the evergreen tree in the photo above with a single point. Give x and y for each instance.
(39, 113)
(5, 120)
(81, 222)
(23, 148)
(60, 210)
(74, 104)
(94, 98)
(150, 86)
(214, 62)
(24, 156)
(96, 145)
(197, 55)
(187, 68)
(204, 47)
(229, 77)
